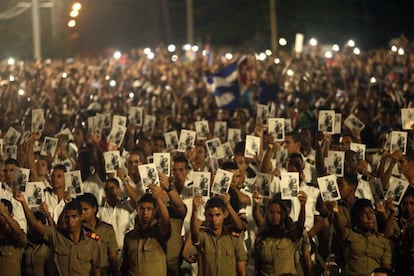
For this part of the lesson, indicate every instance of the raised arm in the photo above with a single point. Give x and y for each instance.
(173, 195)
(257, 216)
(37, 225)
(14, 226)
(195, 222)
(165, 224)
(237, 222)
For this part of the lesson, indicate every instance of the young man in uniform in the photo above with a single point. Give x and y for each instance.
(12, 241)
(144, 251)
(77, 250)
(219, 252)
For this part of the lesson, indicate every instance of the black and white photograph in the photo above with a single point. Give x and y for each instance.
(24, 137)
(11, 137)
(171, 140)
(117, 135)
(107, 120)
(289, 185)
(38, 120)
(149, 174)
(262, 114)
(227, 150)
(407, 118)
(201, 183)
(149, 123)
(252, 146)
(214, 148)
(353, 123)
(398, 141)
(326, 121)
(234, 136)
(187, 140)
(118, 120)
(222, 182)
(359, 149)
(112, 161)
(73, 182)
(335, 162)
(99, 121)
(202, 129)
(329, 188)
(162, 161)
(11, 152)
(20, 178)
(277, 128)
(49, 146)
(135, 115)
(338, 123)
(263, 181)
(397, 189)
(288, 125)
(220, 130)
(34, 193)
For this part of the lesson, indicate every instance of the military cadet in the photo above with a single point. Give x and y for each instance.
(365, 248)
(105, 231)
(77, 250)
(144, 251)
(219, 252)
(12, 241)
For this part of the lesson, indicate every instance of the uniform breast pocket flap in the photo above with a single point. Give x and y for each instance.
(283, 249)
(152, 251)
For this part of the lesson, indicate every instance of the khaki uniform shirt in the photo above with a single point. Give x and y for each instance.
(219, 255)
(11, 252)
(365, 253)
(71, 258)
(143, 253)
(275, 256)
(37, 259)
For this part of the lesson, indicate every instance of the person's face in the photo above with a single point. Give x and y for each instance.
(112, 191)
(145, 212)
(290, 145)
(41, 167)
(366, 219)
(200, 154)
(215, 218)
(237, 178)
(351, 162)
(407, 207)
(344, 187)
(180, 171)
(88, 212)
(241, 163)
(345, 143)
(8, 173)
(58, 179)
(274, 214)
(158, 146)
(403, 165)
(72, 220)
(132, 163)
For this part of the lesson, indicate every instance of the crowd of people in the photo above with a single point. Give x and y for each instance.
(68, 126)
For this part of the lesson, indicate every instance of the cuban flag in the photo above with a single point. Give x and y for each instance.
(226, 85)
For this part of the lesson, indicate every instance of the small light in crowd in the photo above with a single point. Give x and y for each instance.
(112, 83)
(74, 13)
(147, 51)
(268, 52)
(151, 55)
(335, 47)
(228, 56)
(289, 72)
(167, 87)
(171, 48)
(313, 42)
(351, 43)
(29, 99)
(11, 61)
(131, 94)
(64, 75)
(276, 61)
(401, 51)
(187, 47)
(328, 54)
(372, 80)
(174, 58)
(282, 41)
(357, 51)
(262, 56)
(204, 52)
(76, 6)
(117, 55)
(83, 124)
(71, 23)
(195, 48)
(11, 78)
(91, 97)
(107, 77)
(394, 48)
(21, 92)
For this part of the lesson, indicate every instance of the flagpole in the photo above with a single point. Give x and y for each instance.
(37, 50)
(273, 26)
(190, 22)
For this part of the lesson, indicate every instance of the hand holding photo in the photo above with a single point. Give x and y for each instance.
(353, 123)
(234, 136)
(49, 146)
(20, 178)
(149, 174)
(289, 185)
(11, 137)
(398, 140)
(38, 120)
(73, 183)
(112, 161)
(222, 182)
(396, 190)
(201, 181)
(187, 140)
(202, 129)
(149, 123)
(359, 149)
(135, 115)
(326, 121)
(263, 181)
(407, 118)
(252, 146)
(162, 161)
(335, 162)
(329, 188)
(119, 120)
(277, 128)
(214, 148)
(220, 130)
(262, 114)
(171, 140)
(116, 136)
(34, 193)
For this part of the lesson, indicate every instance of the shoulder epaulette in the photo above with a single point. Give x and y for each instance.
(234, 234)
(203, 228)
(93, 235)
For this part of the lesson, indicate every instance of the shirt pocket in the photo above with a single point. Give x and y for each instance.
(282, 250)
(230, 257)
(151, 251)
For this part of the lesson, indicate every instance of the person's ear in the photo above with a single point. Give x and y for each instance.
(225, 214)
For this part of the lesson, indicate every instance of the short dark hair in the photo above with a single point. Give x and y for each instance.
(89, 199)
(351, 178)
(73, 205)
(180, 158)
(39, 215)
(60, 167)
(386, 271)
(215, 202)
(357, 207)
(8, 204)
(240, 147)
(229, 165)
(113, 180)
(147, 198)
(11, 161)
(295, 136)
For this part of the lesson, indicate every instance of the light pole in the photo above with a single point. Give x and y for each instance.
(190, 22)
(273, 25)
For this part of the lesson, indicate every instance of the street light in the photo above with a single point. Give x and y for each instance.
(74, 13)
(76, 6)
(71, 23)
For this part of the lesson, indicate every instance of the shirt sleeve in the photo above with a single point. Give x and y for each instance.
(240, 250)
